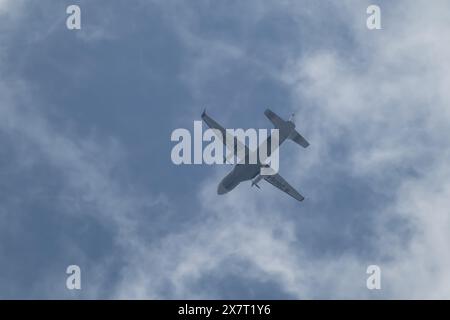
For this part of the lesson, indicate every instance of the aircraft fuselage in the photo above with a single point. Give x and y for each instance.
(244, 171)
(240, 173)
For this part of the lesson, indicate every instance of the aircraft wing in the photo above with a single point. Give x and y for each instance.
(238, 145)
(277, 181)
(274, 118)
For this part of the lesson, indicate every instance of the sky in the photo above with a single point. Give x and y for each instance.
(86, 176)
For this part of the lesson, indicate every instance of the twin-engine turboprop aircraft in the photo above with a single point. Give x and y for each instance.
(244, 171)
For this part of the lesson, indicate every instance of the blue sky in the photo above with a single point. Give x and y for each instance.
(86, 176)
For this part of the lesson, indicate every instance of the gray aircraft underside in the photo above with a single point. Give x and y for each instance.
(247, 171)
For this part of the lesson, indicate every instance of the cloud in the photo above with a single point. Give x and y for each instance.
(4, 4)
(77, 189)
(10, 7)
(382, 101)
(373, 104)
(392, 114)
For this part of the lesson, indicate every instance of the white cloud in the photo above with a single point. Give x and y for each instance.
(4, 4)
(392, 111)
(391, 108)
(9, 6)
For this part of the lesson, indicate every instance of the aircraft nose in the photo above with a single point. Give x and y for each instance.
(221, 189)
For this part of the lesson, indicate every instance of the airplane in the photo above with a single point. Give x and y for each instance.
(244, 171)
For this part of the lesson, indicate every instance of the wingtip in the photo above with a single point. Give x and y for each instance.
(204, 112)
